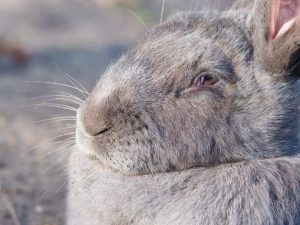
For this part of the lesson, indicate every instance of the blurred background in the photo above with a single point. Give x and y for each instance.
(48, 44)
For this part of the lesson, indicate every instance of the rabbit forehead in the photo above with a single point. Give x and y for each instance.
(170, 49)
(187, 35)
(173, 45)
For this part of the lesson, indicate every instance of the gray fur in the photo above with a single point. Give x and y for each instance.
(151, 151)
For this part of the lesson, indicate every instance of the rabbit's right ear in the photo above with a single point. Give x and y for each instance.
(277, 35)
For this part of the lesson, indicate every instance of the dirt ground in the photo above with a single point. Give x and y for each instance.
(76, 37)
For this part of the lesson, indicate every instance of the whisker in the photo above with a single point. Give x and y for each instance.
(137, 17)
(162, 11)
(75, 97)
(52, 143)
(55, 126)
(51, 192)
(59, 129)
(57, 94)
(57, 97)
(63, 99)
(82, 92)
(62, 136)
(52, 105)
(71, 79)
(53, 165)
(63, 148)
(58, 119)
(66, 128)
(57, 189)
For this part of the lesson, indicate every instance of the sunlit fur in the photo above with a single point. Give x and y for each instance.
(151, 150)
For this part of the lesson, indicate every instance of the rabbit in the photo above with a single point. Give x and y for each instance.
(196, 124)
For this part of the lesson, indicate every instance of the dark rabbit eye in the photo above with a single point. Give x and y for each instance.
(204, 80)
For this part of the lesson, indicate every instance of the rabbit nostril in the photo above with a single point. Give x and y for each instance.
(102, 131)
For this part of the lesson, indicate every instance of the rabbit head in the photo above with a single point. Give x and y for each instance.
(198, 90)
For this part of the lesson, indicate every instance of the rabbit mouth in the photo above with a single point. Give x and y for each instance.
(103, 131)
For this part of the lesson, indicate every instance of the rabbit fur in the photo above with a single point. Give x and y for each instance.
(196, 124)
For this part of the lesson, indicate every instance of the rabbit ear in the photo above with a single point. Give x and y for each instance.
(277, 34)
(284, 15)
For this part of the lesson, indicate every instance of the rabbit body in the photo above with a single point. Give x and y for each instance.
(195, 125)
(261, 192)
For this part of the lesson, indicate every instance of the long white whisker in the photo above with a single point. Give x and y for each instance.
(83, 93)
(57, 93)
(62, 148)
(57, 127)
(57, 100)
(47, 191)
(69, 127)
(71, 79)
(57, 122)
(55, 119)
(53, 143)
(62, 99)
(74, 97)
(69, 142)
(65, 140)
(52, 105)
(65, 97)
(75, 82)
(58, 189)
(66, 128)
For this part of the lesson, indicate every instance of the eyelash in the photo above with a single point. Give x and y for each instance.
(204, 80)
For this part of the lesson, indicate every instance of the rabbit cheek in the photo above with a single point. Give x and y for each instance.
(129, 148)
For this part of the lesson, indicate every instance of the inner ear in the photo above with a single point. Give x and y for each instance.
(276, 36)
(283, 16)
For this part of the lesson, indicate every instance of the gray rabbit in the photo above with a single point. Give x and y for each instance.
(195, 125)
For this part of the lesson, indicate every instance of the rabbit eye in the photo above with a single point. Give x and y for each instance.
(204, 80)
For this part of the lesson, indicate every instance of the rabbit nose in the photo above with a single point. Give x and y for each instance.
(95, 119)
